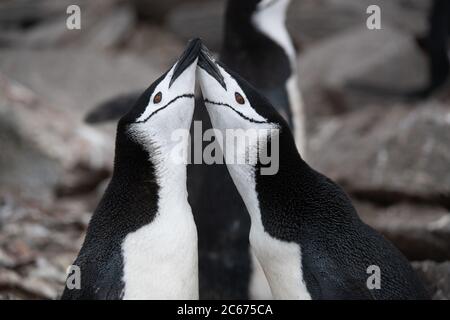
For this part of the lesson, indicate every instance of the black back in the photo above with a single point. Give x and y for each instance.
(301, 205)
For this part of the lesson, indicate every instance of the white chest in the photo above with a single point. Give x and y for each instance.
(280, 260)
(161, 258)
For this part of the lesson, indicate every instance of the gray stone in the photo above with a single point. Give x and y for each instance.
(421, 232)
(155, 11)
(313, 21)
(5, 260)
(400, 151)
(436, 277)
(357, 68)
(24, 168)
(41, 142)
(155, 44)
(113, 29)
(77, 79)
(26, 288)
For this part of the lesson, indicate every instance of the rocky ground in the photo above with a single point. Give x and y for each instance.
(391, 155)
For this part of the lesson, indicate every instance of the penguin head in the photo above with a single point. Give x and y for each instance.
(233, 103)
(167, 105)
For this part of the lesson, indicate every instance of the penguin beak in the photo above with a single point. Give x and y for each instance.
(207, 63)
(188, 57)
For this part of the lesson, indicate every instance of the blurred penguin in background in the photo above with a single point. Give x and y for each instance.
(435, 46)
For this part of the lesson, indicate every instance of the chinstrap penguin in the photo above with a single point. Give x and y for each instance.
(141, 242)
(304, 230)
(256, 43)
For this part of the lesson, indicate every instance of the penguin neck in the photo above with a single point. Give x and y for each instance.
(255, 187)
(171, 176)
(280, 256)
(160, 255)
(150, 170)
(132, 167)
(245, 28)
(272, 23)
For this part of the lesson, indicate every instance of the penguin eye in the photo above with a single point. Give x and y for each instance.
(157, 98)
(239, 99)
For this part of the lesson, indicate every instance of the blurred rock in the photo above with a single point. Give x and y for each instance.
(199, 19)
(81, 180)
(25, 288)
(5, 260)
(24, 167)
(358, 67)
(77, 79)
(42, 141)
(156, 45)
(113, 29)
(154, 11)
(23, 14)
(436, 277)
(312, 21)
(104, 25)
(37, 243)
(47, 271)
(46, 34)
(388, 154)
(421, 232)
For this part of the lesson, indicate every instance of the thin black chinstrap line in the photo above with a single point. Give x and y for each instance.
(187, 95)
(239, 113)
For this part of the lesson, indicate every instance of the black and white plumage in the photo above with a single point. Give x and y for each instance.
(304, 230)
(141, 242)
(256, 43)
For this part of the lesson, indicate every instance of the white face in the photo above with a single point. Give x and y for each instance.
(229, 107)
(231, 113)
(169, 108)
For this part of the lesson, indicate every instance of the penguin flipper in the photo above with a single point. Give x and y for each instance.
(348, 291)
(100, 279)
(327, 280)
(112, 109)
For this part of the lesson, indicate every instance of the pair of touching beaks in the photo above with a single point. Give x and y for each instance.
(197, 50)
